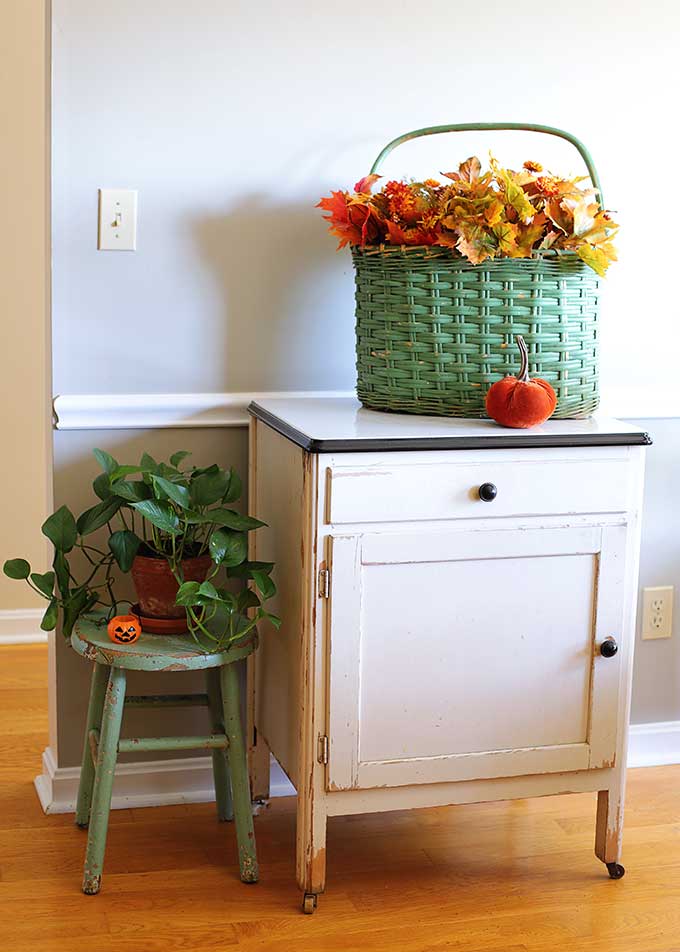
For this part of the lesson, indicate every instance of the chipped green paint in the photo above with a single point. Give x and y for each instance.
(152, 652)
(220, 758)
(166, 700)
(203, 742)
(104, 718)
(112, 717)
(100, 677)
(240, 785)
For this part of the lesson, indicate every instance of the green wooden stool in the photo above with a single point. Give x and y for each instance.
(105, 715)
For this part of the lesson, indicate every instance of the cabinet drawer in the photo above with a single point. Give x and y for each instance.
(423, 490)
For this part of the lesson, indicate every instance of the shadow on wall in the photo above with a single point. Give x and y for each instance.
(288, 306)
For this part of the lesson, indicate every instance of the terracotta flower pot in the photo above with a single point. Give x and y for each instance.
(156, 589)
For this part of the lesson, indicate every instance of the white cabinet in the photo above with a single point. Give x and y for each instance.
(442, 643)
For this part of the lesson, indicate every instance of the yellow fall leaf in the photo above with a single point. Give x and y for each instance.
(598, 258)
(506, 233)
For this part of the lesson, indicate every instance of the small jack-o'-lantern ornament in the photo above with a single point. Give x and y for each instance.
(521, 401)
(124, 629)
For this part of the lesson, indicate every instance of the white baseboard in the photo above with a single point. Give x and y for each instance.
(655, 744)
(116, 411)
(21, 626)
(148, 783)
(153, 783)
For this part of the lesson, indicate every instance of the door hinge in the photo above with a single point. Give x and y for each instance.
(323, 749)
(324, 583)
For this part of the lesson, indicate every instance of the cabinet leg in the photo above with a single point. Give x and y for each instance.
(258, 752)
(259, 769)
(311, 852)
(609, 829)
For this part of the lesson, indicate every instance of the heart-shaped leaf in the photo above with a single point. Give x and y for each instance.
(17, 568)
(60, 528)
(134, 491)
(49, 619)
(96, 517)
(264, 583)
(124, 545)
(234, 489)
(209, 488)
(233, 520)
(102, 486)
(44, 583)
(159, 514)
(228, 548)
(61, 570)
(167, 490)
(188, 593)
(105, 460)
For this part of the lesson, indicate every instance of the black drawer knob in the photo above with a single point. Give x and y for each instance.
(487, 492)
(608, 648)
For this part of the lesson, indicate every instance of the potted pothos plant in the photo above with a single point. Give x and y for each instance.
(171, 526)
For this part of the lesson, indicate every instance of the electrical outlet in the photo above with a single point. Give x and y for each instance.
(657, 612)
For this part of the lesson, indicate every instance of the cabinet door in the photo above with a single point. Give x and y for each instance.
(472, 654)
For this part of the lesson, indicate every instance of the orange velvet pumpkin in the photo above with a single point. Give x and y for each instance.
(518, 401)
(124, 629)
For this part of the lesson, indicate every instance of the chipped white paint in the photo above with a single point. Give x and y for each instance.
(457, 656)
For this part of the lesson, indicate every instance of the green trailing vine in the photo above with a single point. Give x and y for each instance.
(162, 510)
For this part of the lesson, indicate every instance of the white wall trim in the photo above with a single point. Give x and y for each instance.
(21, 626)
(153, 783)
(130, 411)
(149, 783)
(654, 744)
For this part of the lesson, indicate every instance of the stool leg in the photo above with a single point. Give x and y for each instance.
(100, 677)
(220, 760)
(103, 781)
(238, 768)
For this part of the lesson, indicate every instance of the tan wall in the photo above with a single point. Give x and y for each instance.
(25, 474)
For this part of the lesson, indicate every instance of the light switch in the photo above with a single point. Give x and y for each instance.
(117, 219)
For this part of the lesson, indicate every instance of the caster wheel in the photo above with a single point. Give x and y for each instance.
(309, 903)
(615, 870)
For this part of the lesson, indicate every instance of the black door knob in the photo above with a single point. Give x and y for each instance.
(487, 492)
(608, 648)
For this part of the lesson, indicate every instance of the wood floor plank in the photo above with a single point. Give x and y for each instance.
(490, 877)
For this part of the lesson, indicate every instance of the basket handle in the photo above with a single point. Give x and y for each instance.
(486, 126)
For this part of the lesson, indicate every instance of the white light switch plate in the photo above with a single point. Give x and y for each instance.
(117, 219)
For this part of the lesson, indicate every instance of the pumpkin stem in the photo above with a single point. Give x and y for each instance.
(523, 375)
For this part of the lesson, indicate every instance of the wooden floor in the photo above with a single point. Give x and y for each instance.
(508, 877)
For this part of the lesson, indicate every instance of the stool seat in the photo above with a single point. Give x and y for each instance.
(153, 652)
(103, 742)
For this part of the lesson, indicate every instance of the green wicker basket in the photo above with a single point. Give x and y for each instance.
(434, 331)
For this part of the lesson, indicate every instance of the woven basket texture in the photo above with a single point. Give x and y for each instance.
(434, 331)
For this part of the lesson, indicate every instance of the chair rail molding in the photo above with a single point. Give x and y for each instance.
(133, 411)
(145, 411)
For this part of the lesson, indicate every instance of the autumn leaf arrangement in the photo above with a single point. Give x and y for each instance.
(478, 215)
